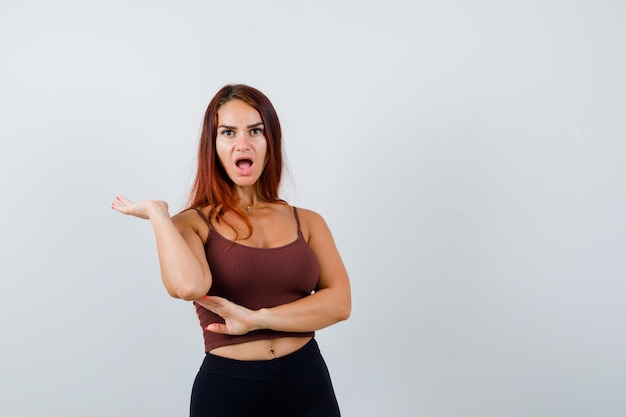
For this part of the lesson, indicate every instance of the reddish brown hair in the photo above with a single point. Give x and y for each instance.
(212, 187)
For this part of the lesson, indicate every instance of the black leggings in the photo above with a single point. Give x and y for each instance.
(296, 385)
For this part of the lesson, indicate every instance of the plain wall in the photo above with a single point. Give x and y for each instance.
(469, 156)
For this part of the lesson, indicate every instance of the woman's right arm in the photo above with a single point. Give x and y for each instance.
(184, 269)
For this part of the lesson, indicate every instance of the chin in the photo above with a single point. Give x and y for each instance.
(245, 182)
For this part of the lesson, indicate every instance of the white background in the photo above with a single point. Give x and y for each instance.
(469, 156)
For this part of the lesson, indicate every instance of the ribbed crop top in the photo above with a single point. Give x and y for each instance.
(257, 278)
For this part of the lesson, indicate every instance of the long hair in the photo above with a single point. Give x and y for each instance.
(212, 187)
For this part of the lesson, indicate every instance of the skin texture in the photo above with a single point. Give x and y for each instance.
(240, 135)
(184, 268)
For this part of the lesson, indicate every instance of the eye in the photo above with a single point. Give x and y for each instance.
(228, 132)
(256, 131)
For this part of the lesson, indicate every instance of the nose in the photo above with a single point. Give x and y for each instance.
(242, 144)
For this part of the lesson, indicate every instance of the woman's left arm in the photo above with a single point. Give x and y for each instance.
(329, 304)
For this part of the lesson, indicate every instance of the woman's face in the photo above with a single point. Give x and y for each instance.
(240, 144)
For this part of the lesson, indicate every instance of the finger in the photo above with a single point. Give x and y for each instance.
(123, 200)
(217, 328)
(213, 299)
(119, 206)
(213, 307)
(212, 302)
(116, 205)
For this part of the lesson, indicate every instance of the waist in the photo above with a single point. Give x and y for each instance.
(262, 349)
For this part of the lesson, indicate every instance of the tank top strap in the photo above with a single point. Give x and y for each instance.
(295, 213)
(203, 217)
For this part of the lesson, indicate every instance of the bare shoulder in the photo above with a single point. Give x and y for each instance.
(186, 218)
(309, 215)
(190, 220)
(312, 223)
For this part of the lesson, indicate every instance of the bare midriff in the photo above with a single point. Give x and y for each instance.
(258, 350)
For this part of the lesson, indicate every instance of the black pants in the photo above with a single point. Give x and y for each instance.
(296, 385)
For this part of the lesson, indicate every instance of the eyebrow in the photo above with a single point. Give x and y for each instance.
(247, 127)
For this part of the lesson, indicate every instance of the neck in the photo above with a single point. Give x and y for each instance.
(248, 199)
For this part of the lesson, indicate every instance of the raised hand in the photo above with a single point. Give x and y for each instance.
(141, 209)
(239, 320)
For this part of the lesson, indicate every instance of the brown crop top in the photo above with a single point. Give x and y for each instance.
(257, 278)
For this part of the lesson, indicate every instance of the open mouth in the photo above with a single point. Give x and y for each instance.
(244, 163)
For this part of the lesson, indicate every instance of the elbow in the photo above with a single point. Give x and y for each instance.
(341, 306)
(189, 293)
(178, 287)
(344, 314)
(344, 311)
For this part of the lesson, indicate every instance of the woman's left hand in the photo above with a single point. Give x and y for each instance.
(239, 320)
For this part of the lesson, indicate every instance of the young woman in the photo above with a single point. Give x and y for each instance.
(263, 275)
